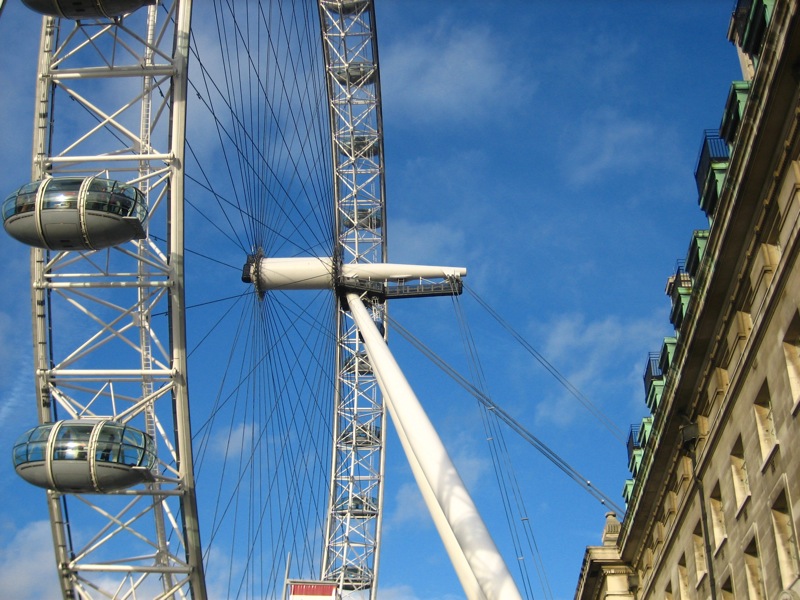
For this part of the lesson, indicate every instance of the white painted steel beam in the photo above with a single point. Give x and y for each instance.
(436, 473)
(318, 273)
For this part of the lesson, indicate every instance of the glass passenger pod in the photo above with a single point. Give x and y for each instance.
(358, 506)
(358, 145)
(75, 213)
(364, 218)
(358, 362)
(362, 435)
(345, 7)
(85, 9)
(355, 73)
(352, 577)
(84, 456)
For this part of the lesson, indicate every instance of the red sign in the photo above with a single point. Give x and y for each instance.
(312, 591)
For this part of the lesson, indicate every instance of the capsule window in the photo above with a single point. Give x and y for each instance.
(103, 195)
(61, 193)
(108, 443)
(31, 446)
(72, 442)
(21, 201)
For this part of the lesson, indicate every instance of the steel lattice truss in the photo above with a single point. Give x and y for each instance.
(350, 48)
(108, 324)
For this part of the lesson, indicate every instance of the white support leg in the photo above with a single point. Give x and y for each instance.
(442, 486)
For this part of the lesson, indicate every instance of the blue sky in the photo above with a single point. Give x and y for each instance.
(550, 152)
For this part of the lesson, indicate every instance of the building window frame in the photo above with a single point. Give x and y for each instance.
(717, 511)
(785, 540)
(765, 425)
(754, 572)
(741, 481)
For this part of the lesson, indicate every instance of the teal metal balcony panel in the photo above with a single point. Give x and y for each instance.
(734, 109)
(697, 249)
(654, 395)
(635, 461)
(667, 351)
(645, 429)
(627, 491)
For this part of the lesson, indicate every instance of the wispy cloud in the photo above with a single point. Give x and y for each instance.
(27, 566)
(406, 592)
(447, 72)
(407, 507)
(605, 142)
(588, 353)
(426, 242)
(236, 442)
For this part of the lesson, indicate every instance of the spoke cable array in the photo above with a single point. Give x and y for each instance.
(504, 416)
(514, 508)
(596, 412)
(260, 181)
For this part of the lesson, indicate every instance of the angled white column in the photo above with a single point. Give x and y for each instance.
(437, 477)
(466, 577)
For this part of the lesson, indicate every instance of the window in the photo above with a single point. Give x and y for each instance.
(765, 426)
(670, 506)
(727, 590)
(668, 592)
(785, 540)
(717, 514)
(741, 485)
(752, 569)
(791, 350)
(683, 579)
(699, 552)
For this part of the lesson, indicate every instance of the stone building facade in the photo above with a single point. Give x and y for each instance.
(714, 502)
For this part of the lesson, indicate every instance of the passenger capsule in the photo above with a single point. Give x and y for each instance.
(363, 218)
(85, 9)
(359, 145)
(84, 456)
(75, 213)
(352, 577)
(355, 73)
(358, 362)
(345, 7)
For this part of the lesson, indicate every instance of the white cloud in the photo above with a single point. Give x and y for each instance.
(236, 442)
(605, 142)
(445, 72)
(27, 564)
(588, 353)
(408, 506)
(471, 459)
(406, 592)
(399, 592)
(426, 242)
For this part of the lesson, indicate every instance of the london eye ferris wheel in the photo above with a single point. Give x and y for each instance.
(248, 198)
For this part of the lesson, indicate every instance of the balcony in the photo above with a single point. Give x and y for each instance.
(734, 109)
(679, 289)
(645, 429)
(627, 491)
(652, 371)
(697, 249)
(634, 450)
(712, 164)
(750, 19)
